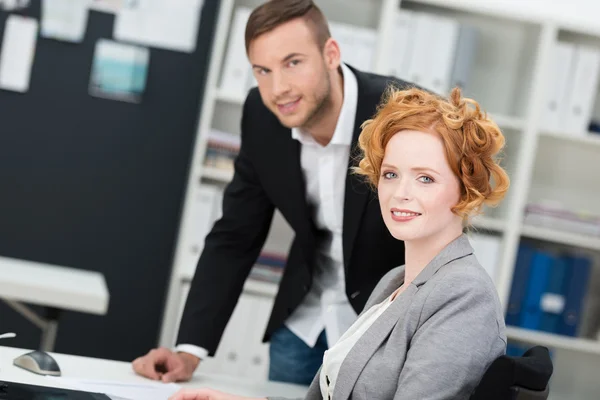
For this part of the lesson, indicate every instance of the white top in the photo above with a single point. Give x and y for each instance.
(53, 286)
(326, 306)
(334, 357)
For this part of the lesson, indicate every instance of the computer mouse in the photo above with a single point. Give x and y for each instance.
(39, 362)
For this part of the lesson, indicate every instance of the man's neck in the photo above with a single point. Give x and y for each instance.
(323, 128)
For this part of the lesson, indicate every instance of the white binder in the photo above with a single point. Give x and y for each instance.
(237, 70)
(584, 87)
(558, 86)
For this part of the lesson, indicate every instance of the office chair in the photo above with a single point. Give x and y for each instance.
(517, 378)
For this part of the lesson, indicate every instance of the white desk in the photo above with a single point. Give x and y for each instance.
(53, 287)
(92, 368)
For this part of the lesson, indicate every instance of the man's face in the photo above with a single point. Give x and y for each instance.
(293, 72)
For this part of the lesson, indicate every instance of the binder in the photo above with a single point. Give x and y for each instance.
(519, 284)
(236, 70)
(398, 57)
(464, 58)
(576, 293)
(584, 85)
(552, 302)
(536, 285)
(558, 85)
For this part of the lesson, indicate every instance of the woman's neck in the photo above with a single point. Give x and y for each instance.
(419, 253)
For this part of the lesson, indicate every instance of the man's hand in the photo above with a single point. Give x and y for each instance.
(164, 365)
(207, 394)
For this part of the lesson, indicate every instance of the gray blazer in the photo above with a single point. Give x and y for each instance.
(434, 341)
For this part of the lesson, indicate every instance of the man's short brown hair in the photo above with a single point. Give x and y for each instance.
(273, 13)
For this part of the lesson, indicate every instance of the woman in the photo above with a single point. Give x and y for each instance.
(432, 326)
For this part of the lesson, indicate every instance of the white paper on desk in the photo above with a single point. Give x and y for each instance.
(167, 24)
(17, 54)
(64, 19)
(122, 390)
(108, 6)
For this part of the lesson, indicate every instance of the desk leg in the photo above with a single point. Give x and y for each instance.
(48, 325)
(50, 330)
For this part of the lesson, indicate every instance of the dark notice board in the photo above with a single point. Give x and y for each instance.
(98, 184)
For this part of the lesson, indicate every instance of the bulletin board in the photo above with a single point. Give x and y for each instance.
(98, 184)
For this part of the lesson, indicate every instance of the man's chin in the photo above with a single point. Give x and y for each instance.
(291, 122)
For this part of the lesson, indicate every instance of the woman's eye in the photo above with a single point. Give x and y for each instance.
(389, 175)
(293, 63)
(425, 179)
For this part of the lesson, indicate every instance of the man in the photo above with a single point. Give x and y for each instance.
(299, 131)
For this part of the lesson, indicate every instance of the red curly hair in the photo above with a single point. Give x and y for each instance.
(471, 140)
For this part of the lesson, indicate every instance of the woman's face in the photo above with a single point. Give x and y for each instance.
(417, 189)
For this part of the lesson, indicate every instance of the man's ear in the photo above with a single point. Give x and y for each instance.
(332, 54)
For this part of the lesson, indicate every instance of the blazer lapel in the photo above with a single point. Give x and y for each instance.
(357, 190)
(286, 159)
(368, 343)
(377, 333)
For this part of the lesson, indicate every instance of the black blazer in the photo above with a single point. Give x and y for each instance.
(268, 175)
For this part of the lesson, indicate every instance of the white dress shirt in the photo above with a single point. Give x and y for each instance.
(326, 305)
(335, 356)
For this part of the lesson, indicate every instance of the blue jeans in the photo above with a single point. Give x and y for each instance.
(291, 360)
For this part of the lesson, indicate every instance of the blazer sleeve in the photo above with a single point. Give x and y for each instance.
(457, 339)
(230, 250)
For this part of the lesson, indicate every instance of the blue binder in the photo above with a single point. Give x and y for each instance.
(519, 284)
(541, 266)
(576, 293)
(557, 286)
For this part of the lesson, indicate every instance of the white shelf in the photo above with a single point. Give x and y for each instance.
(229, 98)
(553, 341)
(508, 122)
(217, 174)
(591, 138)
(568, 238)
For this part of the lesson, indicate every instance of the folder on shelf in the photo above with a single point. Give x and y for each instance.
(576, 293)
(536, 284)
(236, 70)
(584, 86)
(357, 44)
(519, 284)
(464, 58)
(552, 302)
(204, 209)
(443, 51)
(398, 57)
(434, 43)
(559, 80)
(487, 250)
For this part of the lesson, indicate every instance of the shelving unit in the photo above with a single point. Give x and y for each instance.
(509, 80)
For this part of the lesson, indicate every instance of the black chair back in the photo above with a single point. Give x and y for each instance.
(517, 378)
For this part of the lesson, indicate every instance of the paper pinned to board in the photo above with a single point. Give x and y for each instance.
(17, 53)
(64, 19)
(12, 5)
(119, 71)
(117, 390)
(167, 24)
